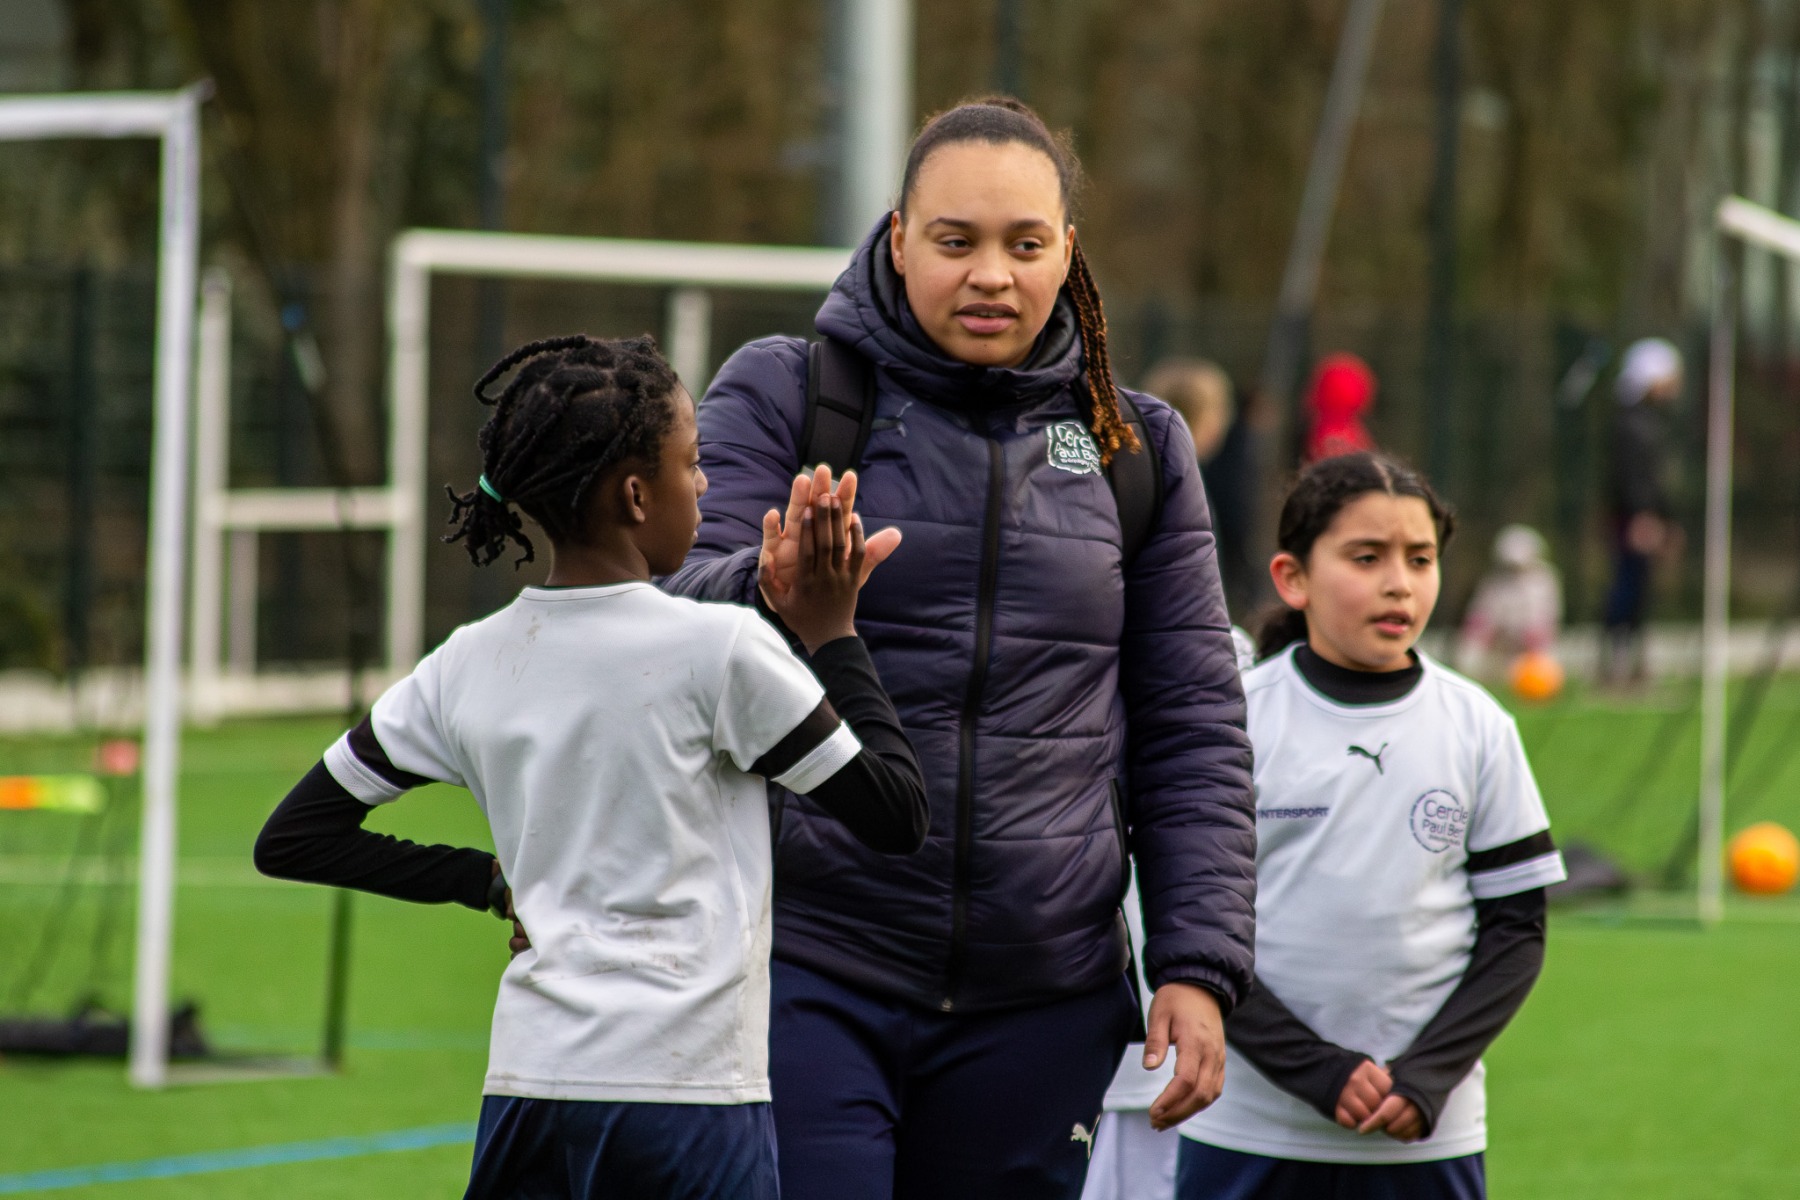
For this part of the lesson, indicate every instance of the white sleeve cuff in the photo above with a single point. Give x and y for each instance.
(1509, 880)
(822, 762)
(356, 778)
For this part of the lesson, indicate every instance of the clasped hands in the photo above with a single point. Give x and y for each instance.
(1368, 1103)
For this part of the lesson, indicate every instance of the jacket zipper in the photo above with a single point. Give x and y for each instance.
(965, 768)
(1118, 815)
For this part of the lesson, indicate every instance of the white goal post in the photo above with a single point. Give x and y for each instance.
(228, 521)
(174, 119)
(1762, 229)
(689, 268)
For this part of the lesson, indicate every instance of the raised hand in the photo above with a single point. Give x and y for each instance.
(819, 604)
(779, 561)
(780, 558)
(880, 544)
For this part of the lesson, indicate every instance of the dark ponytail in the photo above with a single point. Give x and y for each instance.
(1320, 493)
(577, 408)
(1002, 120)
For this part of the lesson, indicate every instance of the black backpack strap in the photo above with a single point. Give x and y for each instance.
(1137, 484)
(840, 406)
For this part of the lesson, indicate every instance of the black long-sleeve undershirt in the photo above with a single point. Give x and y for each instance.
(315, 834)
(1287, 1051)
(1503, 965)
(880, 794)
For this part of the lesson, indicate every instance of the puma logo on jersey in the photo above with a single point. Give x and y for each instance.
(1082, 1133)
(1372, 756)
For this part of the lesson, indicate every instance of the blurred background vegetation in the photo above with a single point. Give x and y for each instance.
(1594, 138)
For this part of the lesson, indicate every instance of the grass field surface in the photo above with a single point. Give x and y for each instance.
(1652, 1062)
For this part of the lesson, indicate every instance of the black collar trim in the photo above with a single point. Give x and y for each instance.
(1356, 687)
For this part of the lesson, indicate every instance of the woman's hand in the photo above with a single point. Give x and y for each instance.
(819, 605)
(1185, 1016)
(779, 562)
(1363, 1094)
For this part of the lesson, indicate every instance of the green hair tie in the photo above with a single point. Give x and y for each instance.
(487, 487)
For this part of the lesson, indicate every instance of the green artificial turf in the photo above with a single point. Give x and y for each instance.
(1651, 1062)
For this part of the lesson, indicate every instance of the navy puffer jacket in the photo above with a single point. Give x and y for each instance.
(1064, 708)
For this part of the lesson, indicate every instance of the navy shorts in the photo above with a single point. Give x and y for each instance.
(1206, 1172)
(876, 1099)
(599, 1150)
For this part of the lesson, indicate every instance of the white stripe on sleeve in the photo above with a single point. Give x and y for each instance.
(1513, 878)
(356, 778)
(822, 761)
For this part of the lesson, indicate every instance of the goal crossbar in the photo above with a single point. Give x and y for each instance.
(689, 268)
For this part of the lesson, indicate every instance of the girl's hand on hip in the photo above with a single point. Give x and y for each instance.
(1185, 1016)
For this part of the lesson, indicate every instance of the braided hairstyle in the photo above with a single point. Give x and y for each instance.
(1000, 120)
(1322, 491)
(577, 408)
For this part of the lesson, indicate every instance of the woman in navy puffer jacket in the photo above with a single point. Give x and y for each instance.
(945, 1024)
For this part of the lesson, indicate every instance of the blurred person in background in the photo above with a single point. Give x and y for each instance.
(1517, 606)
(1650, 378)
(1342, 391)
(1203, 394)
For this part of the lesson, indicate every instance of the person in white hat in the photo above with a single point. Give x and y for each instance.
(1517, 606)
(1650, 379)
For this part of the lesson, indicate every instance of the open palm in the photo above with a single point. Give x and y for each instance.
(779, 563)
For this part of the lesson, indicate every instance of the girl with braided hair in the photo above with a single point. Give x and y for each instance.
(946, 1025)
(617, 739)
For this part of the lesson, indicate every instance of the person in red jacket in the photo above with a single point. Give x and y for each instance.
(1342, 390)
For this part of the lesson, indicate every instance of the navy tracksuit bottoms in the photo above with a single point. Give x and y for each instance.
(599, 1150)
(876, 1099)
(1205, 1172)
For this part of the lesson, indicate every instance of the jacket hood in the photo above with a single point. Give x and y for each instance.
(867, 309)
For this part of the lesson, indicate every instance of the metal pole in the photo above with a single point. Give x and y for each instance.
(1300, 279)
(1009, 48)
(240, 610)
(690, 337)
(1715, 616)
(177, 273)
(212, 465)
(408, 309)
(490, 294)
(878, 110)
(84, 403)
(337, 979)
(1440, 336)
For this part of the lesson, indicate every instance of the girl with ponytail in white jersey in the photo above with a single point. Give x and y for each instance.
(1403, 851)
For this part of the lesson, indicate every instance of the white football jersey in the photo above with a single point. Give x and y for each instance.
(609, 735)
(1365, 908)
